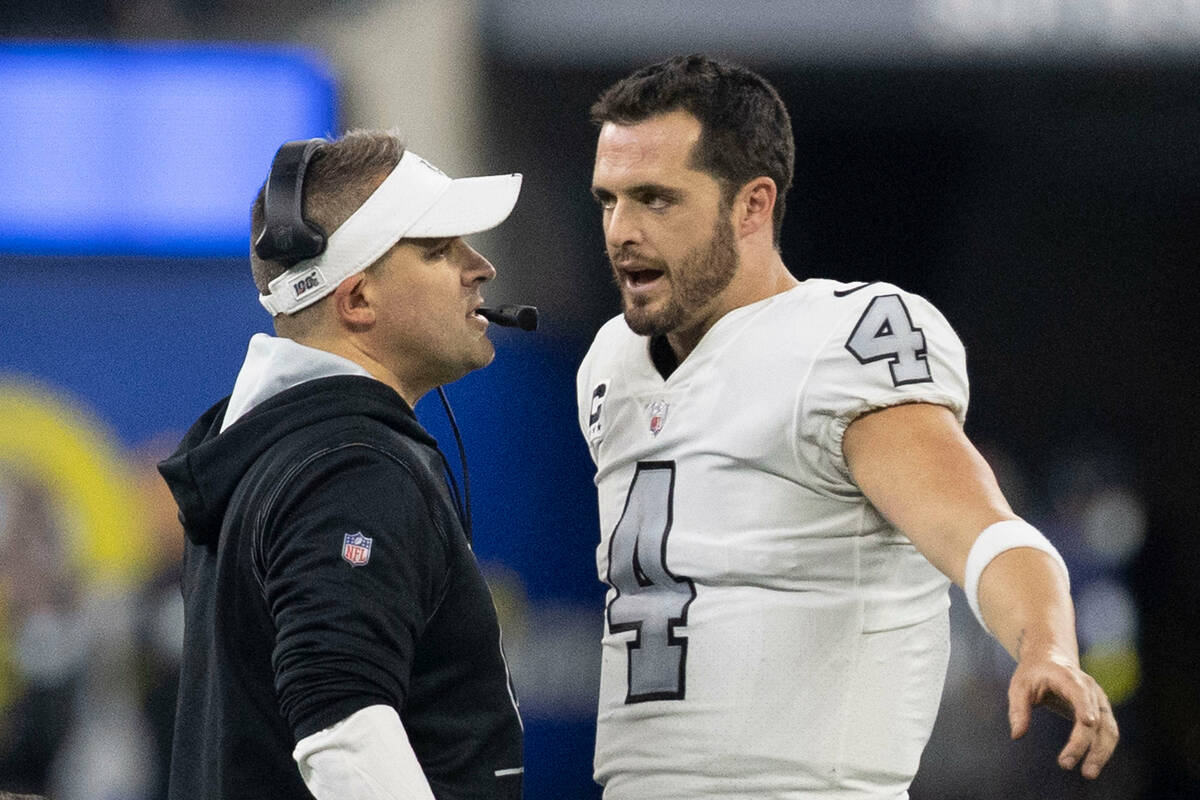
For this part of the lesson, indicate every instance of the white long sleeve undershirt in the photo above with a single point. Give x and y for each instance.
(366, 756)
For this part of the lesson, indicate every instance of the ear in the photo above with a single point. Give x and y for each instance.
(753, 207)
(352, 303)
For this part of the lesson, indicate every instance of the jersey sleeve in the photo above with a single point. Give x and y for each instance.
(583, 400)
(593, 381)
(353, 565)
(886, 347)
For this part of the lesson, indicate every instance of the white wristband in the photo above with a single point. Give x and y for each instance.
(994, 540)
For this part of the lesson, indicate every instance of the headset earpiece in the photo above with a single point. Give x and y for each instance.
(287, 236)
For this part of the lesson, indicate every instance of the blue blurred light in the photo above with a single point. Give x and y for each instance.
(151, 148)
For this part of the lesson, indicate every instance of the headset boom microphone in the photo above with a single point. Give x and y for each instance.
(512, 316)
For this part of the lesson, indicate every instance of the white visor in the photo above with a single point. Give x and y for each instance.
(415, 200)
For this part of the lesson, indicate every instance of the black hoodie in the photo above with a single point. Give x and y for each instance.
(327, 570)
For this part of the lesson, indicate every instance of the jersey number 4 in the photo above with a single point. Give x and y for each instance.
(649, 599)
(885, 331)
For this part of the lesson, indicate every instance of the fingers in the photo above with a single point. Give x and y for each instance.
(1083, 734)
(1076, 695)
(1104, 743)
(1094, 734)
(1020, 709)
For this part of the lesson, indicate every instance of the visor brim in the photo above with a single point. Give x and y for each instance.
(469, 205)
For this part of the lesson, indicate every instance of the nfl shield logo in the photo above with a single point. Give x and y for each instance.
(356, 549)
(658, 416)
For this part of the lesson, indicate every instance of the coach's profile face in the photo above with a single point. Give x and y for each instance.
(422, 296)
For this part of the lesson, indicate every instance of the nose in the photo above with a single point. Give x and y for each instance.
(621, 226)
(476, 268)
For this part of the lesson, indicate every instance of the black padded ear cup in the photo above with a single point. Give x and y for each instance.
(287, 236)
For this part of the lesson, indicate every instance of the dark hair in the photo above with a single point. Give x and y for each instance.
(745, 128)
(341, 175)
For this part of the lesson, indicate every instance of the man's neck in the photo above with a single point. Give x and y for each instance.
(754, 282)
(354, 351)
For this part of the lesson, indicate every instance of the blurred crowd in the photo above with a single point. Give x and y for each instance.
(88, 666)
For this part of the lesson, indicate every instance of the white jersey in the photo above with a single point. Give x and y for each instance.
(768, 633)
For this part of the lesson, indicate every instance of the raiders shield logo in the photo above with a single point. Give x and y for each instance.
(658, 416)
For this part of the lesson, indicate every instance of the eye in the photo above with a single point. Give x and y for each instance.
(438, 251)
(605, 200)
(656, 198)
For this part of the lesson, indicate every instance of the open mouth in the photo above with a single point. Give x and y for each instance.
(638, 278)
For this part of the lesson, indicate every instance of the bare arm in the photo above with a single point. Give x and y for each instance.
(916, 466)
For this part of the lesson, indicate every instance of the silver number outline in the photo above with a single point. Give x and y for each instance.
(886, 331)
(649, 599)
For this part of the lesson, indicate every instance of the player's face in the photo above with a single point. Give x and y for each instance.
(426, 293)
(668, 235)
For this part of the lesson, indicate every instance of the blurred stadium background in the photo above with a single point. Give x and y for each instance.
(1032, 166)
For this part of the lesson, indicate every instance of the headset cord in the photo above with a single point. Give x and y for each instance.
(463, 499)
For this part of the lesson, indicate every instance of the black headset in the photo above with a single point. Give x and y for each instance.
(287, 235)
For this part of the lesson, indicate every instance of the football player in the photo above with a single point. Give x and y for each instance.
(785, 488)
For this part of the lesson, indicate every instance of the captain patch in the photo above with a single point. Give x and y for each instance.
(595, 418)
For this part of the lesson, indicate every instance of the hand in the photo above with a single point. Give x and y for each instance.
(1059, 684)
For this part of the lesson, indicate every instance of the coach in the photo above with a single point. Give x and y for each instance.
(340, 639)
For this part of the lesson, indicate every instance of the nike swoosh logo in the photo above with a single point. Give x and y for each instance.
(844, 292)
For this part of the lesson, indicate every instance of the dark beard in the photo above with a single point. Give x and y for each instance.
(699, 276)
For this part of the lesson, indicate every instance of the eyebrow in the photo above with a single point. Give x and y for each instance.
(639, 189)
(428, 244)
